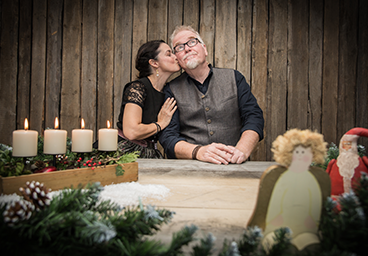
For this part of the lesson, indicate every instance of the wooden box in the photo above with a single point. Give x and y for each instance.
(106, 175)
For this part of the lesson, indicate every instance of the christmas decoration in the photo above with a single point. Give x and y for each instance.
(36, 193)
(291, 194)
(16, 166)
(347, 169)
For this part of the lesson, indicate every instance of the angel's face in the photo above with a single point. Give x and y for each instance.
(302, 155)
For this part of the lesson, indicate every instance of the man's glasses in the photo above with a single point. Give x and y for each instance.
(180, 47)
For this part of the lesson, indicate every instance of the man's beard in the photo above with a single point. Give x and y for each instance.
(192, 63)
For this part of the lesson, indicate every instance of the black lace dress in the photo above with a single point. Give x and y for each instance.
(142, 93)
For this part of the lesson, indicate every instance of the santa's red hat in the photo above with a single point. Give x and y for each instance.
(355, 133)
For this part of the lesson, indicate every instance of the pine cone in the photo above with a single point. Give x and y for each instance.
(18, 211)
(38, 165)
(36, 193)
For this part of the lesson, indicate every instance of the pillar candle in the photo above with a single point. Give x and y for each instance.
(107, 139)
(82, 139)
(54, 141)
(25, 142)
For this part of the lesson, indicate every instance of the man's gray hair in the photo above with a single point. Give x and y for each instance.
(184, 28)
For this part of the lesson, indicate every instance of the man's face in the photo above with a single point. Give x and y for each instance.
(190, 57)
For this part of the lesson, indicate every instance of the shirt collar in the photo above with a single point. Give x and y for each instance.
(205, 81)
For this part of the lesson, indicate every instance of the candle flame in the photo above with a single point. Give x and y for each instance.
(82, 123)
(26, 124)
(108, 124)
(56, 123)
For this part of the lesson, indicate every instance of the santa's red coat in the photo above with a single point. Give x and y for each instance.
(337, 183)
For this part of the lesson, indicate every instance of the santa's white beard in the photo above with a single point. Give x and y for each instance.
(347, 162)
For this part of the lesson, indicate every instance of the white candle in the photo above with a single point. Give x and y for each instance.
(54, 140)
(107, 139)
(25, 142)
(82, 139)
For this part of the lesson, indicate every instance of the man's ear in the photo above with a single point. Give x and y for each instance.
(153, 63)
(205, 49)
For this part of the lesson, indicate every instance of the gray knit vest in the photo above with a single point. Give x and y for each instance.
(213, 117)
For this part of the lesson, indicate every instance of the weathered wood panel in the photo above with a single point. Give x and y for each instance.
(315, 63)
(276, 93)
(207, 27)
(70, 90)
(38, 70)
(105, 62)
(24, 61)
(140, 17)
(225, 37)
(362, 71)
(157, 20)
(53, 57)
(298, 101)
(347, 66)
(8, 69)
(123, 51)
(244, 37)
(330, 70)
(191, 13)
(259, 64)
(89, 65)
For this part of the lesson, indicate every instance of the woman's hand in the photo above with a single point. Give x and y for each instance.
(166, 112)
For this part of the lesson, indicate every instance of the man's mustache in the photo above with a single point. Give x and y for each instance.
(189, 54)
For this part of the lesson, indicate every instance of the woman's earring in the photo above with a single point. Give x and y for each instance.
(157, 72)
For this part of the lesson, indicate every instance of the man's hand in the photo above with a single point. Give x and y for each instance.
(238, 156)
(216, 153)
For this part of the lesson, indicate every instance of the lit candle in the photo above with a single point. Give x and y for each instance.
(25, 142)
(54, 140)
(107, 139)
(82, 139)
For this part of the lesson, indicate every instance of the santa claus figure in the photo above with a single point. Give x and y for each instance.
(345, 172)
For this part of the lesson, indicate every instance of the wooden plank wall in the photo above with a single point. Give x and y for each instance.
(306, 60)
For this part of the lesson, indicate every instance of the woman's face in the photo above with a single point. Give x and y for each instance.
(167, 60)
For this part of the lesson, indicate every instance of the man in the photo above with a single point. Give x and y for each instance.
(218, 119)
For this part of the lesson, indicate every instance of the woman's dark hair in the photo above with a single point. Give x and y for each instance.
(146, 52)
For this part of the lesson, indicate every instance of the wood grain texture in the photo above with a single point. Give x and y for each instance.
(157, 20)
(57, 180)
(225, 37)
(330, 71)
(24, 61)
(105, 62)
(315, 63)
(123, 51)
(207, 27)
(348, 50)
(8, 69)
(71, 60)
(276, 109)
(259, 65)
(53, 58)
(298, 51)
(362, 71)
(38, 66)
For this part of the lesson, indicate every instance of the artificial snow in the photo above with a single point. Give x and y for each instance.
(123, 194)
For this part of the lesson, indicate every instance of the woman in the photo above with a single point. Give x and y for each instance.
(144, 111)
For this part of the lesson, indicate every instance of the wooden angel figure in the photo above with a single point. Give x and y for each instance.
(292, 193)
(345, 171)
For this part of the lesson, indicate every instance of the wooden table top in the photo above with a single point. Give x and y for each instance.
(218, 199)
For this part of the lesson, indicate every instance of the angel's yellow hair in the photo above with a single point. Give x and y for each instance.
(284, 146)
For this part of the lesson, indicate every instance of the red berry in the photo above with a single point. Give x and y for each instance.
(99, 162)
(93, 168)
(84, 164)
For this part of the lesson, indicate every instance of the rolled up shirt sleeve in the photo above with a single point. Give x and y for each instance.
(171, 134)
(250, 113)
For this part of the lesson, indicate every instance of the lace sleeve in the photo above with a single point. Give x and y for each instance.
(135, 92)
